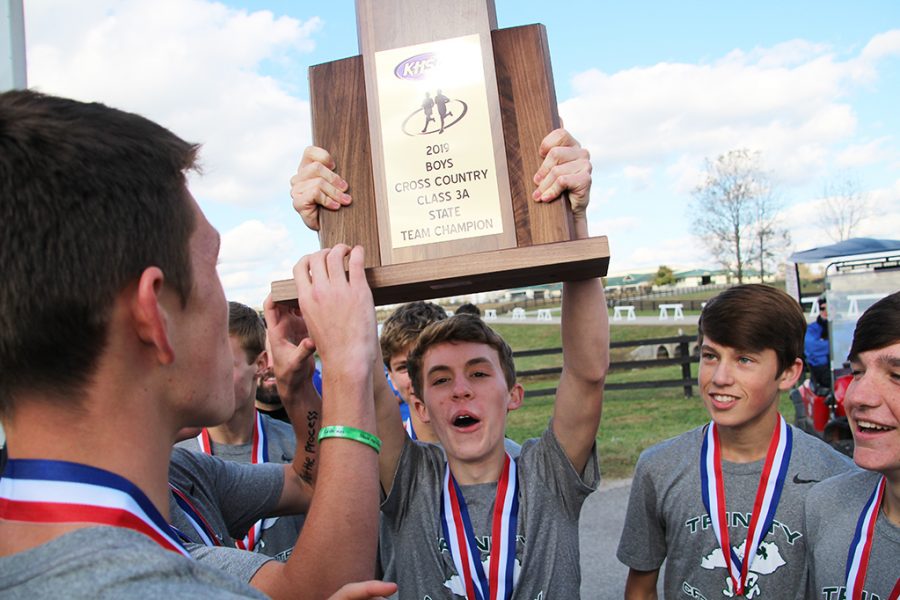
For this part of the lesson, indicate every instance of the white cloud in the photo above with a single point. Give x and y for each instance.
(639, 177)
(615, 226)
(882, 45)
(252, 256)
(195, 66)
(882, 222)
(686, 174)
(857, 155)
(788, 101)
(676, 252)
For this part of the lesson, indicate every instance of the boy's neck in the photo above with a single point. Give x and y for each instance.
(748, 442)
(890, 503)
(134, 446)
(487, 470)
(238, 430)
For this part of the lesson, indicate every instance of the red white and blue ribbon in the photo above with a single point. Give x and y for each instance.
(32, 491)
(201, 526)
(406, 416)
(408, 426)
(460, 536)
(259, 455)
(861, 546)
(768, 493)
(204, 441)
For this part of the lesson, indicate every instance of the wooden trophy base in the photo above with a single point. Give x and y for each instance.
(484, 271)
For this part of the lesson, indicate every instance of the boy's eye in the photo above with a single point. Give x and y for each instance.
(745, 360)
(708, 356)
(479, 374)
(439, 380)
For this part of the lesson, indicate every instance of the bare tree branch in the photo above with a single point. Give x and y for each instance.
(844, 206)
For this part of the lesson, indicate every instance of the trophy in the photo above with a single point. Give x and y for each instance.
(436, 127)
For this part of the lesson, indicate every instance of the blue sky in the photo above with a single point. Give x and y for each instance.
(650, 88)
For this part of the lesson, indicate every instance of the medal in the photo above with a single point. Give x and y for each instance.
(861, 547)
(200, 525)
(768, 494)
(259, 455)
(460, 536)
(30, 491)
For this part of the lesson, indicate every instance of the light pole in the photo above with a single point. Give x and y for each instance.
(12, 46)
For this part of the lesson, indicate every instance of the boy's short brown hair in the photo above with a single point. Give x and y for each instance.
(90, 197)
(403, 327)
(878, 327)
(458, 328)
(247, 326)
(754, 317)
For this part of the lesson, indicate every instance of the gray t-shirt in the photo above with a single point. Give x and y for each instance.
(832, 511)
(230, 496)
(234, 561)
(279, 534)
(386, 562)
(112, 562)
(551, 493)
(666, 519)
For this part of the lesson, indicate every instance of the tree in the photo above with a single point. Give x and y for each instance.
(735, 212)
(770, 239)
(844, 206)
(664, 276)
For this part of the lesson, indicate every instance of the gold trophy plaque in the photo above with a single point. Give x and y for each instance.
(436, 128)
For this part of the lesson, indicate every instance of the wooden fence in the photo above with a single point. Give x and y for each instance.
(683, 357)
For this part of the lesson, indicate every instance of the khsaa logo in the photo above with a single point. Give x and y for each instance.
(416, 67)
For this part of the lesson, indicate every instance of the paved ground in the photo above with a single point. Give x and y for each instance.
(602, 517)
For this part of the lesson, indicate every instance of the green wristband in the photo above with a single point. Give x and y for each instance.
(351, 433)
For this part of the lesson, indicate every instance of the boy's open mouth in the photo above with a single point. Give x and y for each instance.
(464, 420)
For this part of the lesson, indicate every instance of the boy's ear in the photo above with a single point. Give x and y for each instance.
(790, 375)
(262, 363)
(419, 407)
(151, 320)
(516, 395)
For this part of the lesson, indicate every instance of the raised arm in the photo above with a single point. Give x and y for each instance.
(585, 325)
(316, 185)
(343, 517)
(292, 358)
(390, 427)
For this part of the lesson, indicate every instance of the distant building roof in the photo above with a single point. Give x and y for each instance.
(630, 279)
(699, 273)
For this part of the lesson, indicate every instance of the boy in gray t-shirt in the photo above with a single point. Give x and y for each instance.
(694, 497)
(854, 520)
(455, 512)
(119, 341)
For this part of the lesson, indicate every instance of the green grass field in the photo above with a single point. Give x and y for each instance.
(632, 419)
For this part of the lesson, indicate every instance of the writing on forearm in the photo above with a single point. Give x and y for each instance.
(309, 462)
